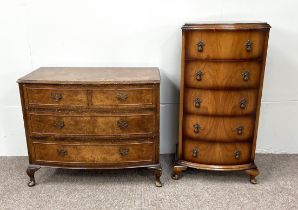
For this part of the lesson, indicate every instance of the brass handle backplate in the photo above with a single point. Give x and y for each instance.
(197, 102)
(122, 124)
(199, 75)
(240, 130)
(200, 46)
(243, 103)
(245, 75)
(195, 152)
(237, 155)
(248, 45)
(57, 96)
(62, 152)
(196, 128)
(121, 96)
(59, 124)
(123, 151)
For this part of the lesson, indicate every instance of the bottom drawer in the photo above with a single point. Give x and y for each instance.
(216, 153)
(93, 154)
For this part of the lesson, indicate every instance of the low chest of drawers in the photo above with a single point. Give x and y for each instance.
(92, 118)
(221, 86)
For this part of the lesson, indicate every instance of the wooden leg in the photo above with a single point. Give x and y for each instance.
(253, 172)
(157, 172)
(177, 170)
(30, 172)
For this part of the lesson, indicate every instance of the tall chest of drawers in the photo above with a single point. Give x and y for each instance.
(221, 86)
(92, 118)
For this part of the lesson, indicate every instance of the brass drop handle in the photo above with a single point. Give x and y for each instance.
(245, 75)
(195, 152)
(197, 102)
(200, 46)
(199, 75)
(240, 130)
(196, 128)
(62, 152)
(59, 124)
(123, 151)
(121, 96)
(243, 103)
(237, 155)
(248, 45)
(57, 96)
(122, 124)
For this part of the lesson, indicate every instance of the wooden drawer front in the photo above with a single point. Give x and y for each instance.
(224, 44)
(216, 153)
(218, 128)
(56, 96)
(126, 97)
(94, 153)
(92, 125)
(219, 102)
(216, 75)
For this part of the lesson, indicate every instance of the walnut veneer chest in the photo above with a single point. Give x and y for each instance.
(92, 118)
(221, 86)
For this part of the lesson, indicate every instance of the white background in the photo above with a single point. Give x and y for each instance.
(35, 33)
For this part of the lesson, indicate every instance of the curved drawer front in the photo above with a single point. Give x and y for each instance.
(137, 124)
(122, 97)
(56, 96)
(218, 128)
(216, 153)
(209, 75)
(219, 102)
(85, 154)
(224, 44)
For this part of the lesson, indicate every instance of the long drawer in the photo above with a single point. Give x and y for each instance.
(221, 75)
(224, 129)
(104, 125)
(216, 153)
(224, 44)
(220, 102)
(94, 154)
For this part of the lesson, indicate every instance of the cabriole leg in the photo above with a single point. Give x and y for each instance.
(30, 172)
(177, 170)
(157, 172)
(253, 172)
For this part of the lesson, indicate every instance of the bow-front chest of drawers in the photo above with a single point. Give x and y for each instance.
(102, 118)
(221, 86)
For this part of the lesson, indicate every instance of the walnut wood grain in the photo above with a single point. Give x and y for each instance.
(224, 44)
(221, 129)
(216, 153)
(222, 75)
(220, 102)
(141, 124)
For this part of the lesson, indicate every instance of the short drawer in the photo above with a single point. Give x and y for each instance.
(220, 75)
(85, 154)
(102, 125)
(220, 102)
(224, 129)
(123, 97)
(224, 44)
(59, 96)
(216, 153)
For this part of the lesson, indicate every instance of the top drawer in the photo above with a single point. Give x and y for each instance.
(224, 44)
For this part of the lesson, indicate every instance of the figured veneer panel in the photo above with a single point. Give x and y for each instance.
(224, 129)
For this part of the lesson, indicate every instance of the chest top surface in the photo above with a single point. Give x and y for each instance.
(92, 75)
(227, 26)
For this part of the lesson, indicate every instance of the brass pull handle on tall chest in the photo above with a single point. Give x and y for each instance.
(243, 103)
(196, 128)
(122, 124)
(199, 75)
(195, 152)
(245, 75)
(237, 155)
(240, 130)
(57, 96)
(197, 102)
(59, 124)
(123, 151)
(121, 96)
(62, 152)
(248, 45)
(200, 46)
